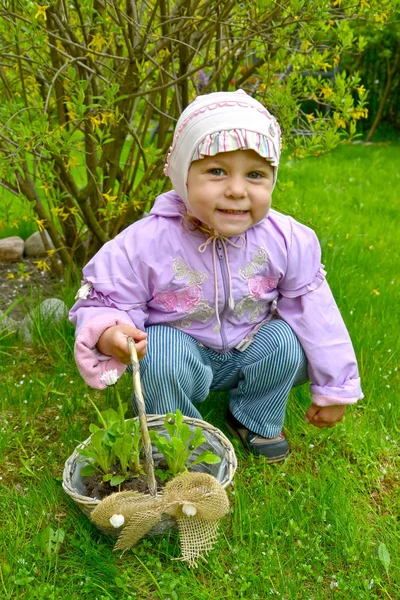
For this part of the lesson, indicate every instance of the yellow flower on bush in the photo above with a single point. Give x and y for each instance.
(359, 113)
(339, 121)
(95, 121)
(98, 42)
(381, 18)
(72, 162)
(40, 223)
(41, 11)
(46, 187)
(42, 265)
(108, 197)
(326, 92)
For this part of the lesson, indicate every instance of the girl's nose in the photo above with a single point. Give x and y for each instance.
(236, 187)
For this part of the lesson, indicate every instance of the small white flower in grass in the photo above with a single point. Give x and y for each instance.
(189, 510)
(109, 377)
(117, 520)
(333, 584)
(83, 291)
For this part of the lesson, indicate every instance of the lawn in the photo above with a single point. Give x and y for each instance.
(324, 524)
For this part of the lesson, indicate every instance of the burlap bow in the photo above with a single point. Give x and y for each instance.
(196, 500)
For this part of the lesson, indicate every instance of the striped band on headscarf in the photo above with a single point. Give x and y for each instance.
(236, 139)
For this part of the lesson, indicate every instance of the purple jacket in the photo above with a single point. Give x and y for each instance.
(158, 271)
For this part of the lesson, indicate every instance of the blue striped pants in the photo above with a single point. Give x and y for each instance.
(177, 372)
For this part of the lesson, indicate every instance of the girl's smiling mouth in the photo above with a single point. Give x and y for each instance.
(232, 212)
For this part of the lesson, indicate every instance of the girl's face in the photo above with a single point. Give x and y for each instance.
(230, 191)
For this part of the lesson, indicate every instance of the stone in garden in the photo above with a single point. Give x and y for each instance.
(11, 249)
(34, 245)
(50, 312)
(7, 324)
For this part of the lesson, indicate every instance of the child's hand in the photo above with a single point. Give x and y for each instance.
(113, 342)
(325, 416)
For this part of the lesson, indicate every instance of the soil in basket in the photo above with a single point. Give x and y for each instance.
(97, 488)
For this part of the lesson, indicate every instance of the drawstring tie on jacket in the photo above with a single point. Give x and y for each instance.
(202, 248)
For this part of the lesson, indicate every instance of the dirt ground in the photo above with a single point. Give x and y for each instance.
(23, 282)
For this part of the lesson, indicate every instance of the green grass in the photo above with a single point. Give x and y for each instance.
(315, 527)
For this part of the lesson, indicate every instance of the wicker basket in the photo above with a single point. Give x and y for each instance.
(216, 441)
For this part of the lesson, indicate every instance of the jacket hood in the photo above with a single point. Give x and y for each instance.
(169, 204)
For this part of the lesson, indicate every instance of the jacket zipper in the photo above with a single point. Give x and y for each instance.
(221, 257)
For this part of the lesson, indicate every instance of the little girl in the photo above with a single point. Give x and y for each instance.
(219, 291)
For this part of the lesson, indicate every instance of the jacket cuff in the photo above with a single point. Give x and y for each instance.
(332, 400)
(349, 391)
(90, 362)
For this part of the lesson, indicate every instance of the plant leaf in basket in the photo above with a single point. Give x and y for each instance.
(117, 479)
(88, 470)
(181, 444)
(206, 457)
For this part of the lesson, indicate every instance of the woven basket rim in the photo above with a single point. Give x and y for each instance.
(153, 421)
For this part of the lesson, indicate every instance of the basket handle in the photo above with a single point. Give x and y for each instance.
(137, 386)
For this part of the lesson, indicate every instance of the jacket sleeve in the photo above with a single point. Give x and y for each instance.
(111, 294)
(306, 303)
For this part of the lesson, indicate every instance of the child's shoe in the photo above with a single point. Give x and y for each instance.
(272, 449)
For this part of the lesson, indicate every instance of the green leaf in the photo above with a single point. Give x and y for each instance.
(87, 452)
(108, 476)
(206, 457)
(170, 427)
(384, 556)
(97, 441)
(185, 433)
(178, 419)
(197, 439)
(110, 417)
(178, 445)
(88, 470)
(117, 479)
(50, 540)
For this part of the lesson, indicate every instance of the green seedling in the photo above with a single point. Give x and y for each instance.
(180, 445)
(114, 448)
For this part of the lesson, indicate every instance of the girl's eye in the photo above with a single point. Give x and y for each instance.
(255, 175)
(216, 172)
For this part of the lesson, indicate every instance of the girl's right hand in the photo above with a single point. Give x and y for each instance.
(114, 342)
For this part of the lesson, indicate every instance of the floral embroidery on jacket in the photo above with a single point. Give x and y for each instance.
(259, 286)
(188, 300)
(182, 271)
(256, 302)
(259, 261)
(252, 306)
(202, 313)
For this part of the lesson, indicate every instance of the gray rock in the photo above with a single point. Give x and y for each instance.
(34, 245)
(50, 312)
(11, 249)
(7, 324)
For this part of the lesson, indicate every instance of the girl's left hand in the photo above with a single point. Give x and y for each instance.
(325, 416)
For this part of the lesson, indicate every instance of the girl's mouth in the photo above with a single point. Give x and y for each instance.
(233, 212)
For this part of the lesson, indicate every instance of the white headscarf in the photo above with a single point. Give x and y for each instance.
(221, 122)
